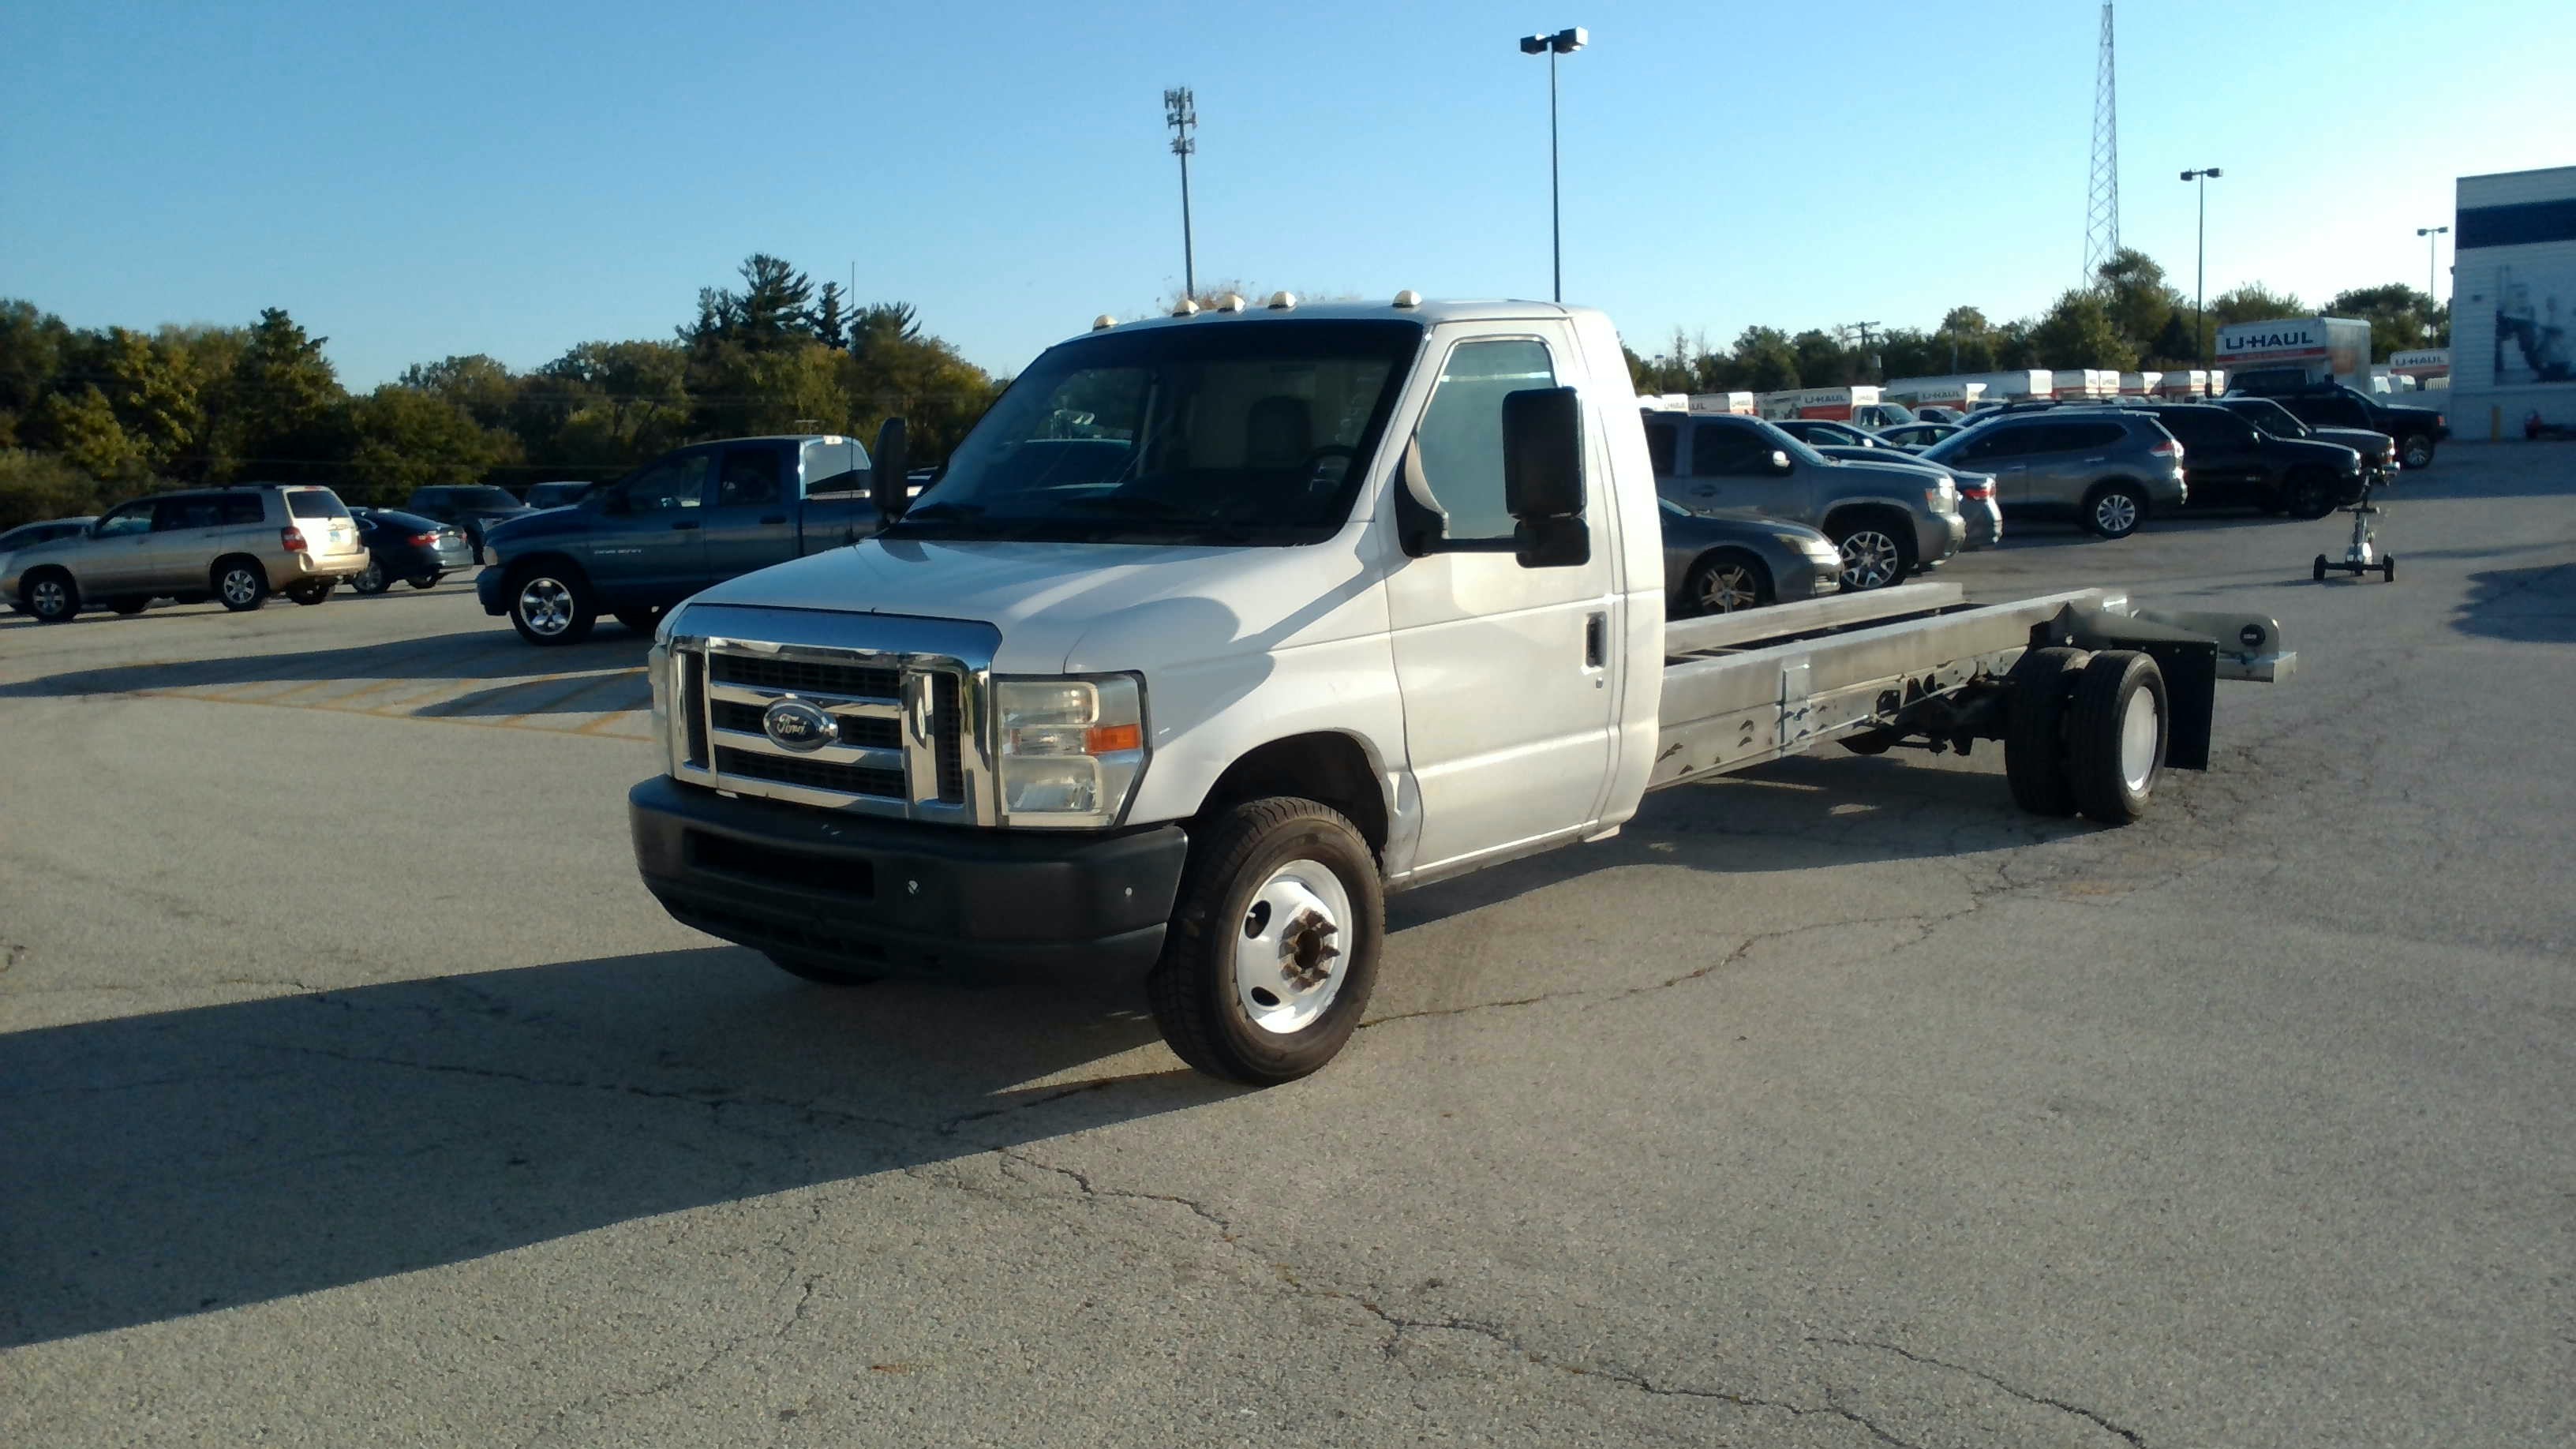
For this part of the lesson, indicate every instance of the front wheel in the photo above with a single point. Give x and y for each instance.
(2309, 496)
(53, 598)
(1274, 942)
(550, 608)
(640, 621)
(371, 579)
(1723, 583)
(2115, 510)
(424, 581)
(1875, 553)
(127, 606)
(2417, 450)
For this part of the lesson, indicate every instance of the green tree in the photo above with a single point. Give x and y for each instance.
(2172, 347)
(769, 313)
(285, 415)
(2078, 332)
(81, 427)
(1765, 361)
(36, 486)
(829, 318)
(1823, 360)
(32, 343)
(2137, 297)
(410, 437)
(154, 394)
(483, 386)
(2401, 318)
(1968, 339)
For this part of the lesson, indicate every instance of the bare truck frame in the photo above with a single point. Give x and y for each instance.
(2091, 696)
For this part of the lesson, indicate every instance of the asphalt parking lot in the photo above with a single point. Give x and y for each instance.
(352, 1090)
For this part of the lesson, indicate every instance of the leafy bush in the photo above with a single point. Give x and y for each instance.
(37, 486)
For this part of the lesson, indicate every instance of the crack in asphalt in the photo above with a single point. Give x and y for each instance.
(2078, 1410)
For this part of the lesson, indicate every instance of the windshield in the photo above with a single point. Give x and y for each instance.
(1236, 432)
(481, 498)
(2271, 417)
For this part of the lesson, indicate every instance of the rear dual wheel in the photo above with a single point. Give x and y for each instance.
(2087, 733)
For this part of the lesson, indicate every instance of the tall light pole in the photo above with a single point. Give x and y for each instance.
(1564, 42)
(2200, 282)
(1181, 113)
(2431, 236)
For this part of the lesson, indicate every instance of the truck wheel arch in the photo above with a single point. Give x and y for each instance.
(1327, 767)
(548, 562)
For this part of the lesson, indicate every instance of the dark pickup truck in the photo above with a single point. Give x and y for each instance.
(2332, 405)
(691, 518)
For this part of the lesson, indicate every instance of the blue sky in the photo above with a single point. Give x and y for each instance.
(415, 181)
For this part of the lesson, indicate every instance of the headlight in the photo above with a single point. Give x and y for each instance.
(1070, 749)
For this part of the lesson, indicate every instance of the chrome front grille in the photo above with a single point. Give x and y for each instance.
(906, 725)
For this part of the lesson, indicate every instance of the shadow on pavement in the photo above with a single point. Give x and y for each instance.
(466, 656)
(2533, 605)
(170, 1164)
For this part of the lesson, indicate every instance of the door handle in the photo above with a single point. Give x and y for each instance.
(769, 518)
(1596, 641)
(684, 527)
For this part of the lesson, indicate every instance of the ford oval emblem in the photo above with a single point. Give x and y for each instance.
(798, 726)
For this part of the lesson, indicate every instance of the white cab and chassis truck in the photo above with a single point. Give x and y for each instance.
(1219, 627)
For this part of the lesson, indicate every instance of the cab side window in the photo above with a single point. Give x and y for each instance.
(132, 519)
(1461, 436)
(1662, 442)
(750, 477)
(175, 514)
(668, 486)
(1998, 440)
(1722, 450)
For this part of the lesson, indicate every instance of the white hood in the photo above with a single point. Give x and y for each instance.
(1087, 607)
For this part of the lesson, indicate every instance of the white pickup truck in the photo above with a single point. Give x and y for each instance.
(1223, 625)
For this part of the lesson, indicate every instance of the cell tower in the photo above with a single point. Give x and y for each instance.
(2102, 197)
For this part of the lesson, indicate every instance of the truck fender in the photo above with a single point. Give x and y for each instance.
(1330, 767)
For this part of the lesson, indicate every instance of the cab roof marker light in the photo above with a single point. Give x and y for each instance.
(1230, 302)
(1188, 308)
(1283, 301)
(1408, 298)
(1103, 320)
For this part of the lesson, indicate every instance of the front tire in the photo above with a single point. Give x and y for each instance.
(2115, 510)
(424, 581)
(2309, 496)
(1876, 553)
(2117, 726)
(2416, 451)
(53, 598)
(641, 621)
(1723, 583)
(311, 592)
(551, 606)
(371, 579)
(128, 607)
(241, 584)
(1274, 943)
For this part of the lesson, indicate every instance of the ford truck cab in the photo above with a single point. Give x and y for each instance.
(1218, 627)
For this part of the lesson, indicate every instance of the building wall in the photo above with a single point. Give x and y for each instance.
(2513, 302)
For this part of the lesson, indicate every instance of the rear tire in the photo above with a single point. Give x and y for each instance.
(371, 579)
(551, 606)
(641, 621)
(2114, 510)
(2309, 495)
(821, 973)
(311, 592)
(1723, 582)
(128, 607)
(1274, 942)
(241, 584)
(2416, 450)
(2117, 728)
(2035, 730)
(424, 581)
(2319, 574)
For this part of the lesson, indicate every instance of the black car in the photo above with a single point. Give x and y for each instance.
(2227, 462)
(1717, 563)
(557, 495)
(408, 547)
(2332, 405)
(473, 508)
(2378, 450)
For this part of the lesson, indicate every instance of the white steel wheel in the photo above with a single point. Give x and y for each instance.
(1289, 948)
(2117, 731)
(2142, 734)
(1872, 558)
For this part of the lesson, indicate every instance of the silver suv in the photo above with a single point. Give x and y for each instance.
(1888, 519)
(2108, 469)
(233, 544)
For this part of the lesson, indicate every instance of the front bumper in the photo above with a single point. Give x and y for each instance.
(1079, 909)
(488, 588)
(1985, 522)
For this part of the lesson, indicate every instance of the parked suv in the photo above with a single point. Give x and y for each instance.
(2332, 405)
(1889, 520)
(2230, 463)
(473, 508)
(2378, 450)
(232, 544)
(2107, 469)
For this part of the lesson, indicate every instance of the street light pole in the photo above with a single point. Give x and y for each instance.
(1563, 42)
(2432, 244)
(2200, 279)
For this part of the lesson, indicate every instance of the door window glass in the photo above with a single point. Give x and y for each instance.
(1661, 444)
(175, 514)
(668, 486)
(1721, 451)
(133, 518)
(750, 477)
(1462, 431)
(1998, 441)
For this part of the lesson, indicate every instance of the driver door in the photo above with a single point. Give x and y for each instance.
(117, 555)
(652, 547)
(1507, 672)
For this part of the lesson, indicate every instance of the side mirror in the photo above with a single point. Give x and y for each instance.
(1781, 467)
(1543, 477)
(887, 485)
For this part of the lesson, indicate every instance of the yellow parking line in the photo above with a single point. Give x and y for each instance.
(558, 701)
